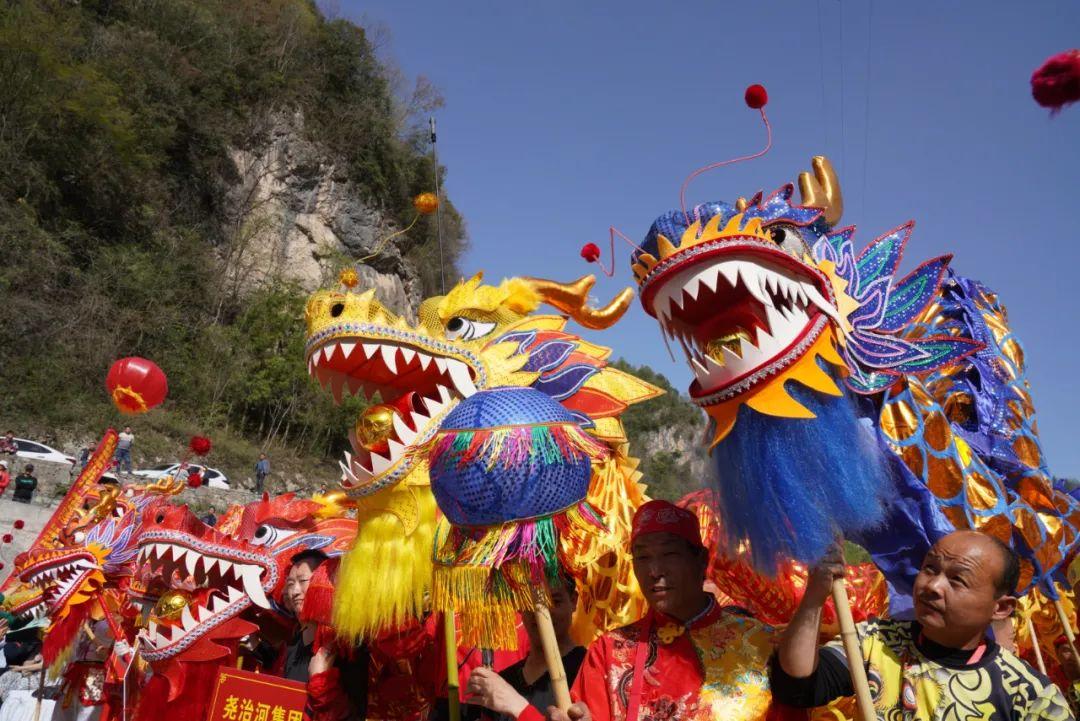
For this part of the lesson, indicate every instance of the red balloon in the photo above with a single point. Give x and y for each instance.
(756, 97)
(136, 385)
(590, 252)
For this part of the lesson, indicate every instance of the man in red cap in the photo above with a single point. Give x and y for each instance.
(688, 658)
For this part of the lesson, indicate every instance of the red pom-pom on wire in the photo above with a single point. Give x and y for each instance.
(756, 97)
(19, 524)
(8, 538)
(1057, 82)
(590, 252)
(199, 445)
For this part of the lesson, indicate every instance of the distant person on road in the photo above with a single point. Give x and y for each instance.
(25, 485)
(262, 470)
(8, 444)
(123, 449)
(5, 477)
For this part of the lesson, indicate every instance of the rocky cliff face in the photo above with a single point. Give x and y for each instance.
(291, 213)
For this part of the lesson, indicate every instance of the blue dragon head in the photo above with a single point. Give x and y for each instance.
(756, 292)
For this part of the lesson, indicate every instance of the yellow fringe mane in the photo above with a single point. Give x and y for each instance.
(385, 578)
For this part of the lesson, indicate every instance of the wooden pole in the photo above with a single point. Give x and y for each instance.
(852, 648)
(40, 694)
(550, 644)
(1035, 645)
(1068, 631)
(453, 684)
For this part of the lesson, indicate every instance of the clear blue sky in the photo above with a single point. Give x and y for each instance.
(562, 118)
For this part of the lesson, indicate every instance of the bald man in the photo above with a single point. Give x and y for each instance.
(943, 665)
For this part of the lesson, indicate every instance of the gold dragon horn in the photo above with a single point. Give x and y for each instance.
(822, 189)
(572, 299)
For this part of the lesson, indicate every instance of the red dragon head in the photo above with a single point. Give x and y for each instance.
(98, 542)
(96, 552)
(211, 582)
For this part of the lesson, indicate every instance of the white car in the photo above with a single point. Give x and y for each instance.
(212, 477)
(32, 450)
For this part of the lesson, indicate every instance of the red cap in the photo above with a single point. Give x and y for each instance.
(665, 517)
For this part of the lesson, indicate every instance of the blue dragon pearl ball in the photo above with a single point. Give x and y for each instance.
(498, 458)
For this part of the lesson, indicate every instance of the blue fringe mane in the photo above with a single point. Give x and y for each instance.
(789, 486)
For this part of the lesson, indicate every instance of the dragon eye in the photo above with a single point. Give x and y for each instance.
(267, 535)
(459, 328)
(788, 238)
(337, 309)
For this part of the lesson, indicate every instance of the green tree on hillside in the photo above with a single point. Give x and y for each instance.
(117, 118)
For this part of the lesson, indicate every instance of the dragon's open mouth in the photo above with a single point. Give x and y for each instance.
(219, 583)
(417, 386)
(59, 577)
(738, 311)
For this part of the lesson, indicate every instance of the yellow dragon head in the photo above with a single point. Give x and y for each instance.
(476, 336)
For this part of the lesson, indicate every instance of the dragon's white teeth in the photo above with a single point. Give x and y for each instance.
(440, 363)
(347, 349)
(731, 359)
(370, 349)
(404, 433)
(444, 395)
(226, 567)
(191, 562)
(419, 420)
(203, 613)
(379, 464)
(187, 619)
(208, 563)
(151, 627)
(235, 594)
(815, 297)
(459, 374)
(218, 604)
(730, 271)
(676, 299)
(311, 367)
(160, 549)
(253, 586)
(425, 360)
(328, 351)
(396, 449)
(347, 472)
(389, 356)
(407, 354)
(749, 273)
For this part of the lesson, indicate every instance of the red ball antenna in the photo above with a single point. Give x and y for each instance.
(591, 251)
(756, 98)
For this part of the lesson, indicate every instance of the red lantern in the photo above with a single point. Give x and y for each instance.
(136, 385)
(199, 445)
(19, 524)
